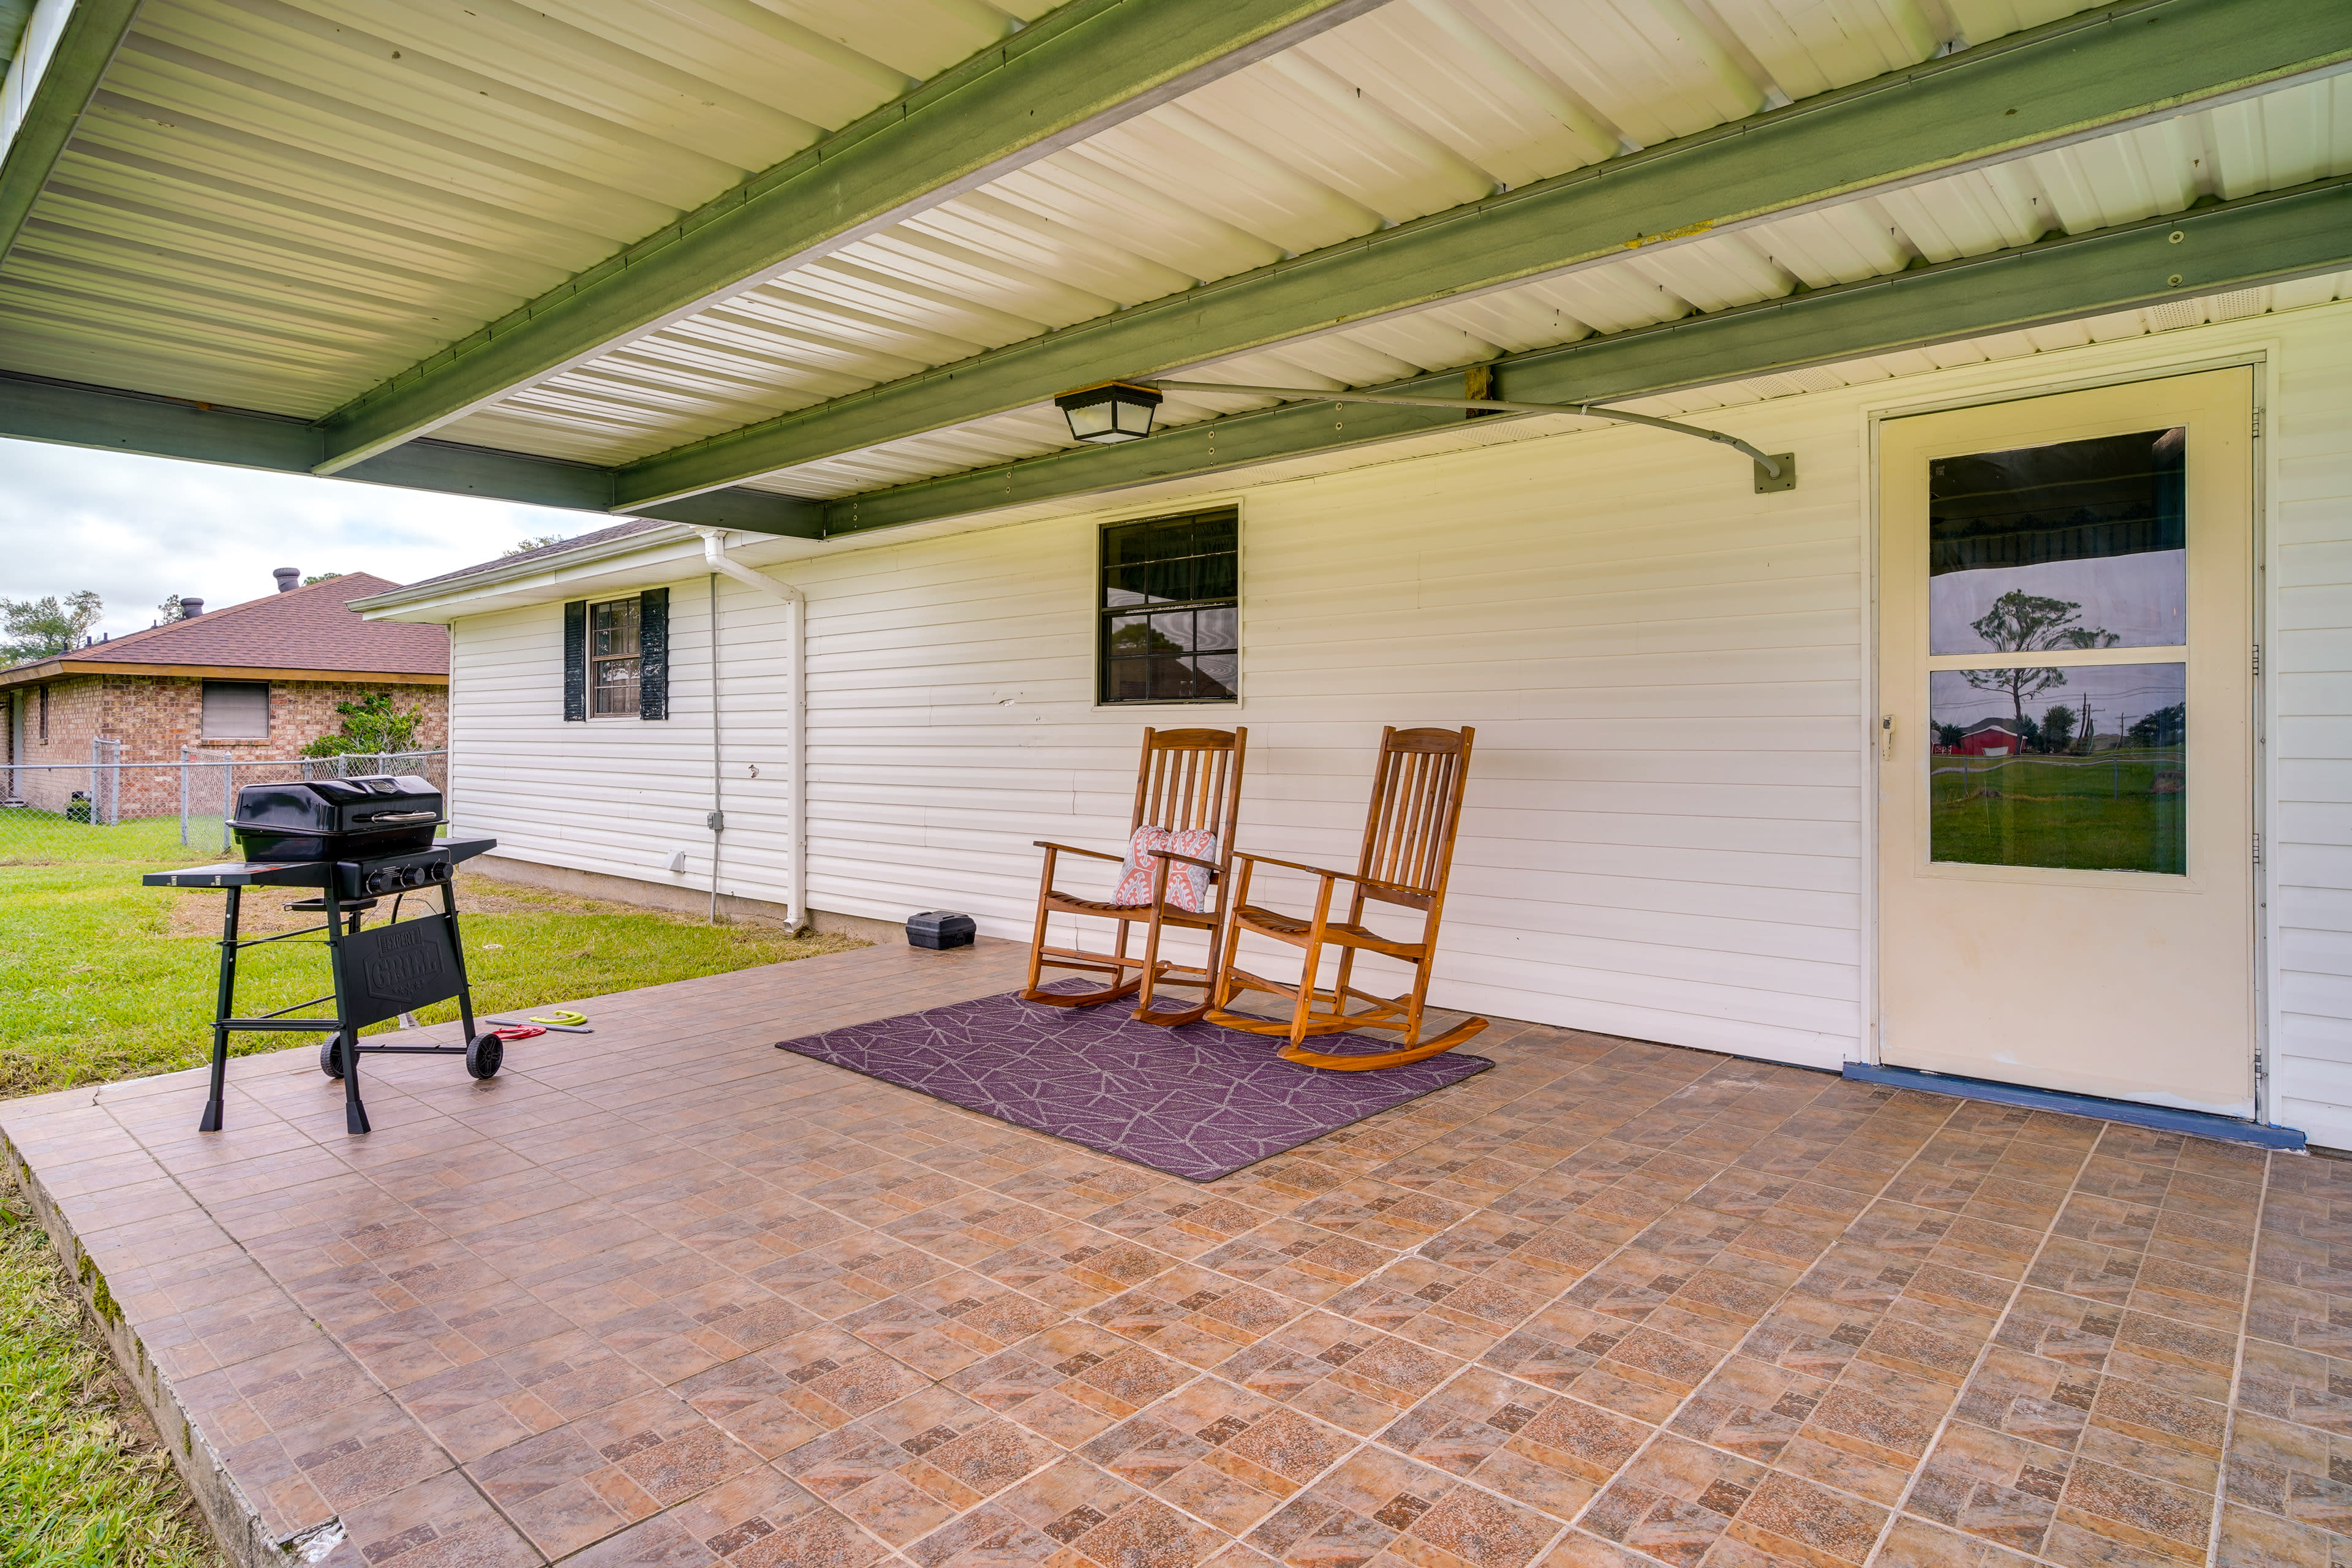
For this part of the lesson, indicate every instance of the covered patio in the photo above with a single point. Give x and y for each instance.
(662, 1295)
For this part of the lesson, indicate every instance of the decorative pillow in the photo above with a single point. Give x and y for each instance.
(1188, 886)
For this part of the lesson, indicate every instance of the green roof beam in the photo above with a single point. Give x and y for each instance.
(2089, 75)
(2223, 247)
(36, 408)
(1091, 65)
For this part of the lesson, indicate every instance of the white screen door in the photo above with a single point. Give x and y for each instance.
(2065, 754)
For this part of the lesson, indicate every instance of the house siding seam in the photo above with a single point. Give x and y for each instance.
(1666, 836)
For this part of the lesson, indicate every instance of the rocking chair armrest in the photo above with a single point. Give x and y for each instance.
(1300, 865)
(1187, 860)
(1073, 849)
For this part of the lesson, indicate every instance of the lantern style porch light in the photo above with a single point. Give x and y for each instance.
(1113, 412)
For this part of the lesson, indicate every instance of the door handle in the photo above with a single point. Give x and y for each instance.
(1887, 737)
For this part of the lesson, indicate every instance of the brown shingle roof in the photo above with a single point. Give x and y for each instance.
(307, 629)
(621, 529)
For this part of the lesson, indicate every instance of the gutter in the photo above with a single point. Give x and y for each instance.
(57, 668)
(714, 554)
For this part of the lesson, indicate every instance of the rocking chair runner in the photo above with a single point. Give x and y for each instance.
(1408, 854)
(1187, 779)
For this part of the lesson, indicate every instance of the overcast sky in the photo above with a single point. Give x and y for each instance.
(138, 529)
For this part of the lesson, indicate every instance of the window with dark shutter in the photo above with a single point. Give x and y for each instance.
(613, 627)
(575, 661)
(652, 654)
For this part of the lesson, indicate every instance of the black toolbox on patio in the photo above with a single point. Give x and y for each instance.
(936, 928)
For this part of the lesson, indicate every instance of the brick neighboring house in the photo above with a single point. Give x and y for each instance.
(256, 680)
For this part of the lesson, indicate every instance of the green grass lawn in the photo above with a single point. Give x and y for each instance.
(102, 978)
(82, 1483)
(2121, 811)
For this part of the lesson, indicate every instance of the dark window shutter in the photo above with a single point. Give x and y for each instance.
(652, 654)
(575, 661)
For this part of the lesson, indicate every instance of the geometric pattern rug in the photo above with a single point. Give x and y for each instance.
(1198, 1101)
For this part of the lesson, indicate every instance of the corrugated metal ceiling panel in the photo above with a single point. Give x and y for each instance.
(911, 459)
(278, 203)
(1416, 108)
(2281, 139)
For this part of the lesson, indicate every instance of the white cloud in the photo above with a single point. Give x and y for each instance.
(139, 529)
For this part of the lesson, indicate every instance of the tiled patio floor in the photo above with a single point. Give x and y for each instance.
(665, 1296)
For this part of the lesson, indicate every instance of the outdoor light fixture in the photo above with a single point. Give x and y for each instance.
(1118, 411)
(1107, 415)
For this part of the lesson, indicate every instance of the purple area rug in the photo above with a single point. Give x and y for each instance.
(1198, 1101)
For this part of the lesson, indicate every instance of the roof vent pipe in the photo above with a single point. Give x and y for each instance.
(190, 609)
(289, 578)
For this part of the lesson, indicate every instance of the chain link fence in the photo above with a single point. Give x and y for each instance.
(153, 809)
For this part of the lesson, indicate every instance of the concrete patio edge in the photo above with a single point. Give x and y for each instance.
(236, 1525)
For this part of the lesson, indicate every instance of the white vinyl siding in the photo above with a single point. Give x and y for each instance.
(1667, 834)
(621, 798)
(2308, 666)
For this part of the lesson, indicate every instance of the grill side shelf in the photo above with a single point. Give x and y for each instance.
(287, 873)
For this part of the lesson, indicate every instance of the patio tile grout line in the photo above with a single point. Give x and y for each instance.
(1902, 1502)
(1666, 1426)
(1373, 1440)
(335, 1514)
(2238, 1365)
(1357, 1444)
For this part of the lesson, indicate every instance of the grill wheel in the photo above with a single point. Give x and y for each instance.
(483, 1057)
(331, 1059)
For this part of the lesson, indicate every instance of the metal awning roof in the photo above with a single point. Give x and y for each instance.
(774, 264)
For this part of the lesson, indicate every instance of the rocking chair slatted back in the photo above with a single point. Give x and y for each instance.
(1187, 780)
(1415, 810)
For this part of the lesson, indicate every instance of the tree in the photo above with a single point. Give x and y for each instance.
(536, 541)
(171, 609)
(321, 577)
(372, 726)
(2020, 622)
(41, 629)
(2058, 729)
(2160, 726)
(1951, 734)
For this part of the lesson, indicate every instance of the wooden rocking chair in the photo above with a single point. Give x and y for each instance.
(1408, 853)
(1187, 779)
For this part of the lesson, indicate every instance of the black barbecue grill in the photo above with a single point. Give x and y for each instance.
(354, 841)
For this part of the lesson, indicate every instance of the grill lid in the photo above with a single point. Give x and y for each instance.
(373, 804)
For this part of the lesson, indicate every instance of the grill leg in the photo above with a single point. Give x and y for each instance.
(355, 1116)
(210, 1120)
(464, 986)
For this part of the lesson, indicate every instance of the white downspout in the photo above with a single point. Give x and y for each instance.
(714, 551)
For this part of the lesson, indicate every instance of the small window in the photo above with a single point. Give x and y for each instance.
(45, 715)
(1169, 617)
(613, 653)
(236, 710)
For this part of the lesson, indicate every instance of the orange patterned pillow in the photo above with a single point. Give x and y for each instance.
(1188, 886)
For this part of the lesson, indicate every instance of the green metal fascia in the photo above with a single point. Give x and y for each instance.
(36, 408)
(93, 32)
(2235, 244)
(1042, 89)
(2087, 75)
